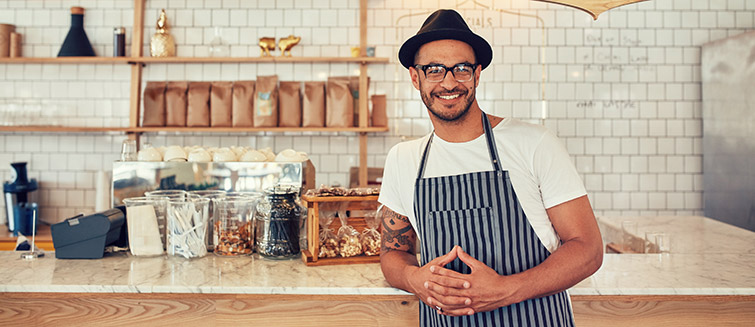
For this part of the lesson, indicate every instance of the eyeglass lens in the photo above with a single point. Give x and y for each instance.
(461, 72)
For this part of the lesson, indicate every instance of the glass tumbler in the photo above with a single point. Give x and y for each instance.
(128, 150)
(172, 195)
(629, 232)
(663, 242)
(187, 227)
(142, 216)
(213, 196)
(233, 228)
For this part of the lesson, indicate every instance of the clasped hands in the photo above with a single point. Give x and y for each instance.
(455, 294)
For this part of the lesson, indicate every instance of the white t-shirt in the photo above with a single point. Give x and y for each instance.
(540, 170)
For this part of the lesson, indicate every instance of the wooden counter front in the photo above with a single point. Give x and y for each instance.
(43, 239)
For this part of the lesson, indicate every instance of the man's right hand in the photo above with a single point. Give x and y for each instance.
(398, 261)
(421, 277)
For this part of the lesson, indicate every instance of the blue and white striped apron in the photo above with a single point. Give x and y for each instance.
(480, 212)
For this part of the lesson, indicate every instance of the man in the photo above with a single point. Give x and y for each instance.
(502, 216)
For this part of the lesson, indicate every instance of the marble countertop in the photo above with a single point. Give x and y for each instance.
(713, 270)
(688, 234)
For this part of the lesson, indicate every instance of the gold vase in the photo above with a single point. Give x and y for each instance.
(162, 43)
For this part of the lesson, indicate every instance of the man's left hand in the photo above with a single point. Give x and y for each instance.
(487, 289)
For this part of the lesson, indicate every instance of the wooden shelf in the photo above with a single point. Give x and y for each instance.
(138, 60)
(254, 129)
(167, 60)
(74, 129)
(179, 60)
(338, 198)
(67, 60)
(64, 129)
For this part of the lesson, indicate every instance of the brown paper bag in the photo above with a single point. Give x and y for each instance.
(313, 106)
(379, 116)
(266, 101)
(339, 111)
(5, 44)
(289, 106)
(198, 110)
(175, 103)
(221, 99)
(243, 104)
(354, 89)
(154, 104)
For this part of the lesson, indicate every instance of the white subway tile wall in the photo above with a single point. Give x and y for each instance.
(622, 92)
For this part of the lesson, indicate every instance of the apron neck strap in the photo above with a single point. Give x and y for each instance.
(492, 149)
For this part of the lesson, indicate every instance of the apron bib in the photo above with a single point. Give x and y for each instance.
(480, 212)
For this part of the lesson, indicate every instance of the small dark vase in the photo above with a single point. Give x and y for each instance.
(76, 43)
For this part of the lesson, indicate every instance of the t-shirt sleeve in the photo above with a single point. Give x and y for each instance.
(558, 178)
(390, 195)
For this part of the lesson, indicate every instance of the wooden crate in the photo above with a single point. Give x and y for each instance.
(355, 204)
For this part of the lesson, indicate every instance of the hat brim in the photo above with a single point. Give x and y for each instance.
(483, 51)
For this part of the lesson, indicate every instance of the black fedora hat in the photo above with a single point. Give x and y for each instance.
(445, 24)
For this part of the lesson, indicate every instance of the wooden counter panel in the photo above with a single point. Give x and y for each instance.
(97, 309)
(687, 311)
(108, 310)
(102, 312)
(317, 313)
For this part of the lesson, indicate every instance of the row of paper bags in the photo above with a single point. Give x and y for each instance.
(261, 103)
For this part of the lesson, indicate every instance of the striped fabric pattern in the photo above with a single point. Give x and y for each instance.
(480, 212)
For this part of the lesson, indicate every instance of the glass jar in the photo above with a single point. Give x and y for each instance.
(172, 195)
(142, 216)
(187, 227)
(234, 226)
(278, 221)
(213, 196)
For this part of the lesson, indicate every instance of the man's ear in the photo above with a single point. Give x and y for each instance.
(477, 72)
(414, 75)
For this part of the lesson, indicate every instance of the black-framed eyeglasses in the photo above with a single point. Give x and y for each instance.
(463, 72)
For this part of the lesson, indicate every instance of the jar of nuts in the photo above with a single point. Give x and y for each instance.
(234, 226)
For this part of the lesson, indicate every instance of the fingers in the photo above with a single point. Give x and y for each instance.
(446, 258)
(449, 310)
(468, 259)
(451, 302)
(438, 271)
(457, 312)
(448, 278)
(440, 292)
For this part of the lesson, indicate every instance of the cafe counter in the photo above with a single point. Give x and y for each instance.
(629, 289)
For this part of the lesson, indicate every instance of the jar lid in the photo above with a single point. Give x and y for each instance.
(282, 189)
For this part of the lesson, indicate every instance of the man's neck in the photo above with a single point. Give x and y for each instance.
(464, 129)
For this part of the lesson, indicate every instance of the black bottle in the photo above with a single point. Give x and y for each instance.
(119, 42)
(76, 43)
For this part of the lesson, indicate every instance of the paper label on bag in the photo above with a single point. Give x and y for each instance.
(264, 105)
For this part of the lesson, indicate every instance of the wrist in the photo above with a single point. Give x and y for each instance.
(409, 273)
(512, 290)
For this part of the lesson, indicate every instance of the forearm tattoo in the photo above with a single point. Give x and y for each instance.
(397, 232)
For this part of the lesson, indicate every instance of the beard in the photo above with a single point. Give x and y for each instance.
(449, 116)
